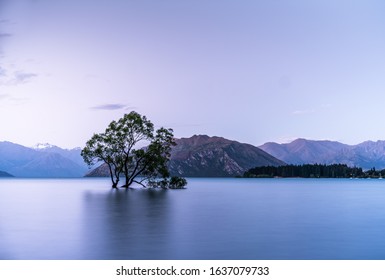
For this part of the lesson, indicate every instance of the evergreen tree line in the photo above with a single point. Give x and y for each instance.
(312, 171)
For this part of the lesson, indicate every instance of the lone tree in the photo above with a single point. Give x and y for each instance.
(118, 148)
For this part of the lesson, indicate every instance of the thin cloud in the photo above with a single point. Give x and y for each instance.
(312, 111)
(111, 107)
(5, 35)
(12, 101)
(22, 77)
(17, 78)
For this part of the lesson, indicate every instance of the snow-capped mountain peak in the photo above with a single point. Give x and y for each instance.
(42, 146)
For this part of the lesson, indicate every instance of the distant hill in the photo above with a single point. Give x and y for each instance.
(198, 156)
(49, 165)
(302, 151)
(22, 161)
(100, 171)
(367, 155)
(71, 154)
(5, 174)
(204, 156)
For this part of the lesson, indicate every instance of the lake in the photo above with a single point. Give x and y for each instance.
(212, 219)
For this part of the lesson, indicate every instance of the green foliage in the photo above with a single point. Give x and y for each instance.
(174, 182)
(177, 183)
(103, 148)
(117, 147)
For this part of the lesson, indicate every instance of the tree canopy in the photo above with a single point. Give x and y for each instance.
(306, 171)
(130, 147)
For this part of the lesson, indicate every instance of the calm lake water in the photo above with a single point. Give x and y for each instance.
(212, 219)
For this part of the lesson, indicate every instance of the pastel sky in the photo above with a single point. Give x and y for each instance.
(249, 70)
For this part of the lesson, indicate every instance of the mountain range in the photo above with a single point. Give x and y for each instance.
(48, 161)
(196, 156)
(204, 156)
(366, 155)
(5, 174)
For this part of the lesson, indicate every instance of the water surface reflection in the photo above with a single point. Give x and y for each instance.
(212, 219)
(127, 224)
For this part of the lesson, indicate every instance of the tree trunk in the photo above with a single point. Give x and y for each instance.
(114, 184)
(126, 185)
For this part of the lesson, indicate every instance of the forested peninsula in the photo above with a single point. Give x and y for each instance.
(312, 171)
